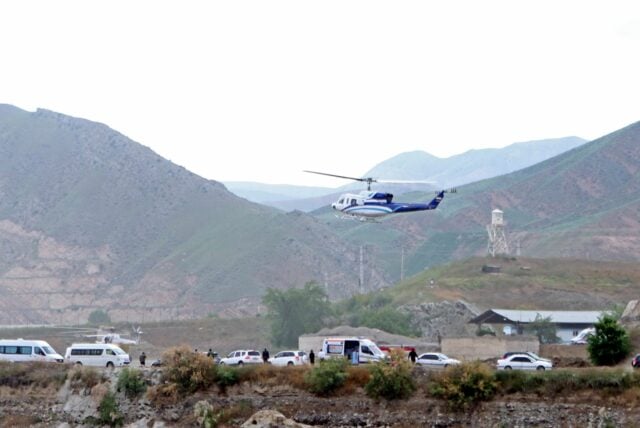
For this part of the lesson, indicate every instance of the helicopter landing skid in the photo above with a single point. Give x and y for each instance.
(359, 218)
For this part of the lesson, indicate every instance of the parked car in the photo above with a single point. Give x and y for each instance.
(241, 357)
(635, 362)
(436, 360)
(97, 354)
(523, 362)
(289, 358)
(531, 354)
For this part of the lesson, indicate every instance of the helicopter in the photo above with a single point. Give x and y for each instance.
(108, 335)
(371, 205)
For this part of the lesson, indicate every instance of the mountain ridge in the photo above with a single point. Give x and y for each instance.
(159, 240)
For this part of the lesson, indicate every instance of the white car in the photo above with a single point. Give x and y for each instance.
(523, 362)
(436, 360)
(289, 358)
(241, 357)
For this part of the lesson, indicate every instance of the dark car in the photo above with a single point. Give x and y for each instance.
(635, 362)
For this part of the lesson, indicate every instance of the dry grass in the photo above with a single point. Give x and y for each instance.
(85, 377)
(18, 421)
(268, 375)
(38, 375)
(164, 395)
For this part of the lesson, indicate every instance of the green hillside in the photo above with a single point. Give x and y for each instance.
(524, 283)
(584, 203)
(157, 227)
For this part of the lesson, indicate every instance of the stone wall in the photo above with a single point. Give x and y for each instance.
(487, 347)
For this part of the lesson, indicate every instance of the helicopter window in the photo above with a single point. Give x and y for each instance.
(340, 201)
(353, 201)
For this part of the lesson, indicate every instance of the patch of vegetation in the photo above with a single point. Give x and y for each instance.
(544, 329)
(561, 382)
(295, 311)
(610, 344)
(328, 376)
(189, 370)
(40, 375)
(464, 385)
(109, 411)
(98, 317)
(225, 377)
(391, 381)
(132, 382)
(375, 310)
(85, 377)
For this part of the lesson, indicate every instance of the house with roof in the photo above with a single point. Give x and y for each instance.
(514, 321)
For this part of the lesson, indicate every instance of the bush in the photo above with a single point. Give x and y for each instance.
(610, 344)
(189, 370)
(464, 385)
(85, 377)
(326, 377)
(132, 382)
(109, 411)
(391, 381)
(226, 376)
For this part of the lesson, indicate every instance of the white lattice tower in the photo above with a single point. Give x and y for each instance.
(497, 244)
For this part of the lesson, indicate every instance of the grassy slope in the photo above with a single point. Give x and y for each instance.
(526, 284)
(85, 184)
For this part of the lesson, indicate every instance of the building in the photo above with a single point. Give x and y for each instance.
(512, 321)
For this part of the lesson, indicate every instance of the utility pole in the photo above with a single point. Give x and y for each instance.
(401, 264)
(361, 268)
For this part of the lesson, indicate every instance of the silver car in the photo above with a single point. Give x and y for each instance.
(523, 362)
(436, 360)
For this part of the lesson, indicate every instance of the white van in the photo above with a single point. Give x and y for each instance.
(96, 354)
(21, 350)
(344, 347)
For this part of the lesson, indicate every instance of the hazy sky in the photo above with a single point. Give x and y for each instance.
(260, 90)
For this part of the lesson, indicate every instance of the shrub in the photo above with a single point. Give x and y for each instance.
(391, 381)
(203, 411)
(610, 344)
(189, 370)
(326, 377)
(85, 377)
(226, 376)
(109, 411)
(132, 382)
(464, 385)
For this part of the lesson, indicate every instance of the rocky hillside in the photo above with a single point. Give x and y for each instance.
(90, 219)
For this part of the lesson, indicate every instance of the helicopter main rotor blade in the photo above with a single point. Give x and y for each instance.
(406, 181)
(366, 180)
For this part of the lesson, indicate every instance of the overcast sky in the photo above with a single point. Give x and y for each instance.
(260, 90)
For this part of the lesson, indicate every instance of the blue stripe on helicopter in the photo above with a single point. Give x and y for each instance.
(368, 208)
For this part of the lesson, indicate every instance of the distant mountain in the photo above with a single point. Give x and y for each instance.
(473, 165)
(453, 171)
(584, 203)
(265, 193)
(90, 219)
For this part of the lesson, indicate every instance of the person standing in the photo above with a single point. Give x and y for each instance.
(312, 357)
(413, 355)
(265, 356)
(143, 358)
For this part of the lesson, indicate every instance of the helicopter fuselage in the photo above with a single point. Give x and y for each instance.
(370, 204)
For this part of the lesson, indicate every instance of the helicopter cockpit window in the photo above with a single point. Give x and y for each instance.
(341, 200)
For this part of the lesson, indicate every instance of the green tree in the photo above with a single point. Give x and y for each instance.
(98, 317)
(610, 344)
(544, 328)
(390, 320)
(295, 311)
